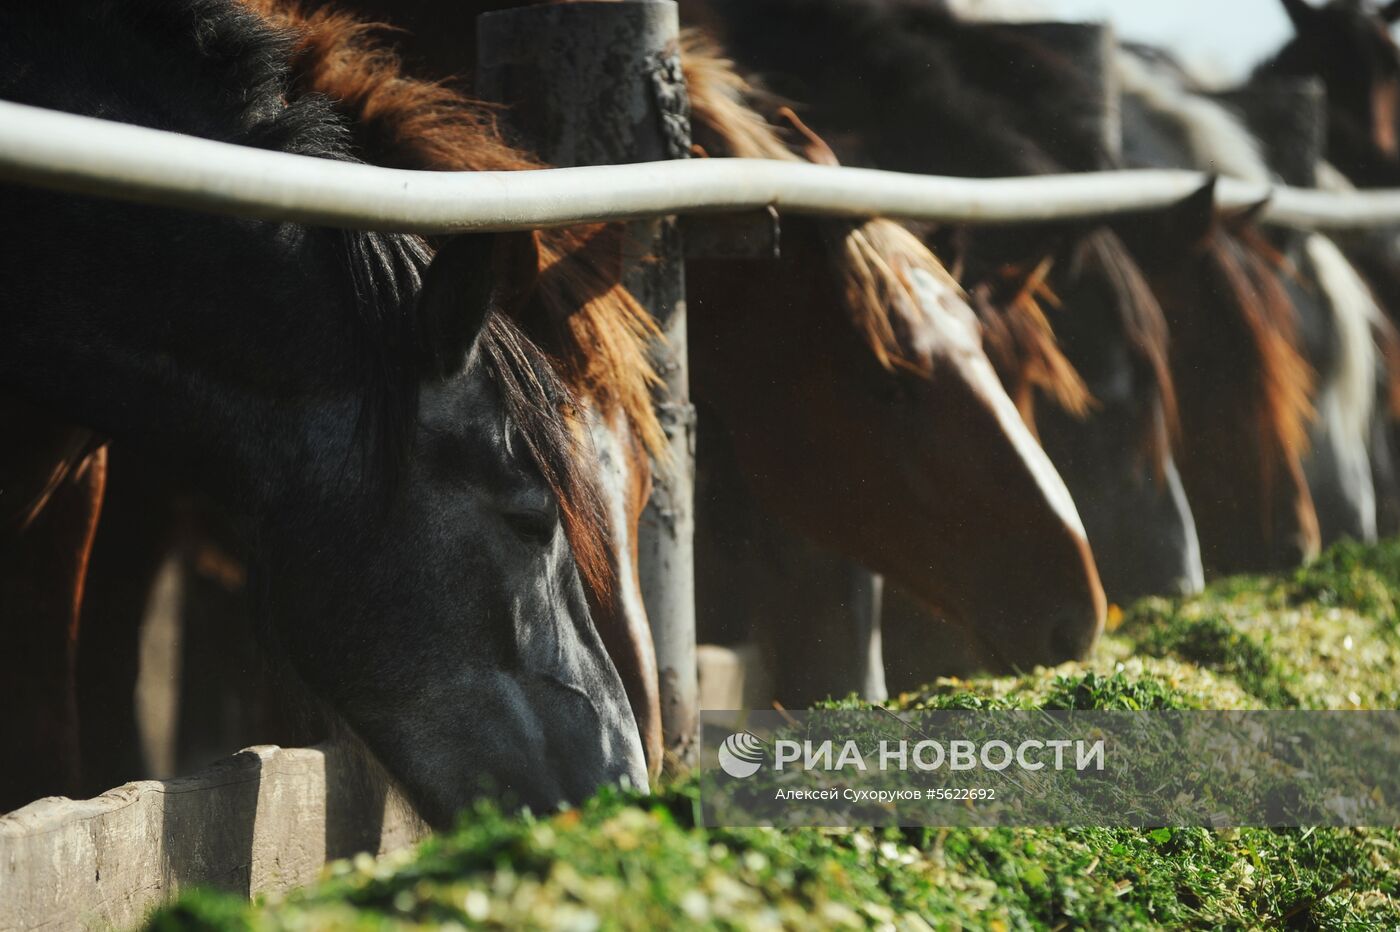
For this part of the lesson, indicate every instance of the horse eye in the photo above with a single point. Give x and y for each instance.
(534, 524)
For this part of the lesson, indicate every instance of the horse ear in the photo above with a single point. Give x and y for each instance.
(1193, 219)
(471, 275)
(1301, 13)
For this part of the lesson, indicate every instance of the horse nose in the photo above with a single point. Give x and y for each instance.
(1294, 551)
(1186, 576)
(1071, 636)
(1184, 585)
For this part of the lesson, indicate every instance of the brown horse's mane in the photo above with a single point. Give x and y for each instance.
(1252, 268)
(874, 257)
(594, 330)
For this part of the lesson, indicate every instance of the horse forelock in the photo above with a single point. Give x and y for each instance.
(547, 416)
(1281, 379)
(1021, 342)
(597, 329)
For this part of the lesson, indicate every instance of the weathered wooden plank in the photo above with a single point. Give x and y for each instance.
(733, 678)
(265, 820)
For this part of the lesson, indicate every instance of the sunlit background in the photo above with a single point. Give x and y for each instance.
(1219, 40)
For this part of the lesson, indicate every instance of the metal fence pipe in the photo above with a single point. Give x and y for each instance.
(91, 156)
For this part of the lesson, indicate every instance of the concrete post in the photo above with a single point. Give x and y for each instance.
(594, 83)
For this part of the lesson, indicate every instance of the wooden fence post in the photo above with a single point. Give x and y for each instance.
(594, 83)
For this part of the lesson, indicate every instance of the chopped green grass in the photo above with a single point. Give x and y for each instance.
(1327, 636)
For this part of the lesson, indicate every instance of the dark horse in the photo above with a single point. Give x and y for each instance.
(1350, 49)
(395, 453)
(590, 327)
(1264, 441)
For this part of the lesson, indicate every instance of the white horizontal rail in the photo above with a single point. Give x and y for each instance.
(92, 156)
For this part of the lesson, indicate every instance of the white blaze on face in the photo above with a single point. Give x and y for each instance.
(955, 339)
(615, 482)
(953, 326)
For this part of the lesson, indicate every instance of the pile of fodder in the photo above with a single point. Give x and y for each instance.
(1324, 637)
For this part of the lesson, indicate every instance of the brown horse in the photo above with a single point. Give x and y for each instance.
(1318, 373)
(766, 389)
(928, 70)
(52, 477)
(858, 332)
